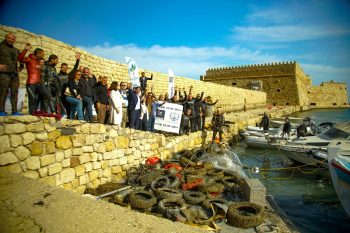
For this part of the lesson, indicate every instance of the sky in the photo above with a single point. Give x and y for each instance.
(190, 36)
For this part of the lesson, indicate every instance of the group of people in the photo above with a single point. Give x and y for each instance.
(74, 94)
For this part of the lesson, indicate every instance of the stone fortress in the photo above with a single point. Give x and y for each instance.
(285, 83)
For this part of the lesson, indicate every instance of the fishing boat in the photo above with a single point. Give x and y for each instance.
(311, 150)
(339, 168)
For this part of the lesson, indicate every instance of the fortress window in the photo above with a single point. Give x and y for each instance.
(334, 104)
(274, 104)
(234, 84)
(287, 104)
(308, 92)
(278, 90)
(314, 104)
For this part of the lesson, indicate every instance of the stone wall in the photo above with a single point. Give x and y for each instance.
(75, 155)
(328, 94)
(230, 98)
(284, 83)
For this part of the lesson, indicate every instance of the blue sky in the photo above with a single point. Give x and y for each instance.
(191, 36)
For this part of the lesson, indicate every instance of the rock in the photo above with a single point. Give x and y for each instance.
(67, 175)
(36, 148)
(93, 175)
(109, 145)
(66, 163)
(50, 128)
(28, 138)
(22, 153)
(68, 131)
(33, 163)
(50, 147)
(50, 180)
(95, 128)
(4, 144)
(43, 171)
(85, 128)
(27, 119)
(31, 174)
(78, 140)
(15, 168)
(101, 148)
(74, 161)
(55, 168)
(7, 158)
(41, 136)
(84, 158)
(63, 142)
(36, 127)
(47, 159)
(79, 170)
(90, 139)
(88, 167)
(121, 142)
(84, 179)
(54, 135)
(2, 130)
(16, 140)
(15, 128)
(59, 156)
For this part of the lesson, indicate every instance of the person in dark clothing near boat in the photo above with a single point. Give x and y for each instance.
(63, 81)
(301, 130)
(217, 123)
(143, 81)
(287, 127)
(101, 100)
(87, 93)
(265, 122)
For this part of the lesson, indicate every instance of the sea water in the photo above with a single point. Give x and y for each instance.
(306, 195)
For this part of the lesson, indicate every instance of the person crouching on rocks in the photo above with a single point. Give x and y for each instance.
(217, 123)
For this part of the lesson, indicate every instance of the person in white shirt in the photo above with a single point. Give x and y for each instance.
(116, 105)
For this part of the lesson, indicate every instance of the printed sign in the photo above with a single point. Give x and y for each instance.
(171, 84)
(20, 101)
(133, 72)
(168, 118)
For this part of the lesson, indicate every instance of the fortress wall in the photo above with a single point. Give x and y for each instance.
(328, 94)
(229, 98)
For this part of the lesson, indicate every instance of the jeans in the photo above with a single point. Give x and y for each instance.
(76, 105)
(87, 108)
(151, 122)
(134, 119)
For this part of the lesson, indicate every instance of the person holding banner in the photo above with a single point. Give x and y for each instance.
(8, 73)
(143, 81)
(134, 100)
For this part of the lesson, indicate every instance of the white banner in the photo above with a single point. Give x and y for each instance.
(171, 84)
(133, 71)
(20, 101)
(168, 118)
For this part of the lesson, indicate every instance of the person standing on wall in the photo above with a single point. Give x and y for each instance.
(143, 81)
(87, 93)
(115, 105)
(9, 73)
(134, 106)
(63, 80)
(124, 93)
(101, 99)
(51, 85)
(34, 82)
(205, 103)
(265, 122)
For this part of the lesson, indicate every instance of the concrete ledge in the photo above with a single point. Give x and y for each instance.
(255, 191)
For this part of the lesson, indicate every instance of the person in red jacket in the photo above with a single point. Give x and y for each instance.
(34, 82)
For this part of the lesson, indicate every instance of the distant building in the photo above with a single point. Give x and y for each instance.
(285, 83)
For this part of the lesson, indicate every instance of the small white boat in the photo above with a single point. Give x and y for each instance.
(339, 168)
(306, 150)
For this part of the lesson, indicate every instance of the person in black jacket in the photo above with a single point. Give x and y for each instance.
(143, 81)
(185, 121)
(87, 93)
(63, 80)
(51, 88)
(286, 128)
(265, 122)
(134, 99)
(101, 100)
(73, 97)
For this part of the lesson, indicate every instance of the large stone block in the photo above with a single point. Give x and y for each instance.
(74, 161)
(2, 130)
(33, 163)
(78, 140)
(5, 144)
(90, 140)
(47, 159)
(28, 138)
(43, 171)
(255, 191)
(67, 175)
(15, 128)
(50, 147)
(93, 175)
(109, 145)
(36, 148)
(54, 135)
(50, 180)
(84, 158)
(121, 142)
(55, 168)
(31, 174)
(15, 168)
(66, 163)
(77, 151)
(16, 140)
(63, 142)
(35, 127)
(84, 179)
(59, 156)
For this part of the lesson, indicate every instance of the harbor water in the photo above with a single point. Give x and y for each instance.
(306, 195)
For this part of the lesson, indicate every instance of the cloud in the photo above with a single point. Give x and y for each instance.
(287, 33)
(184, 61)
